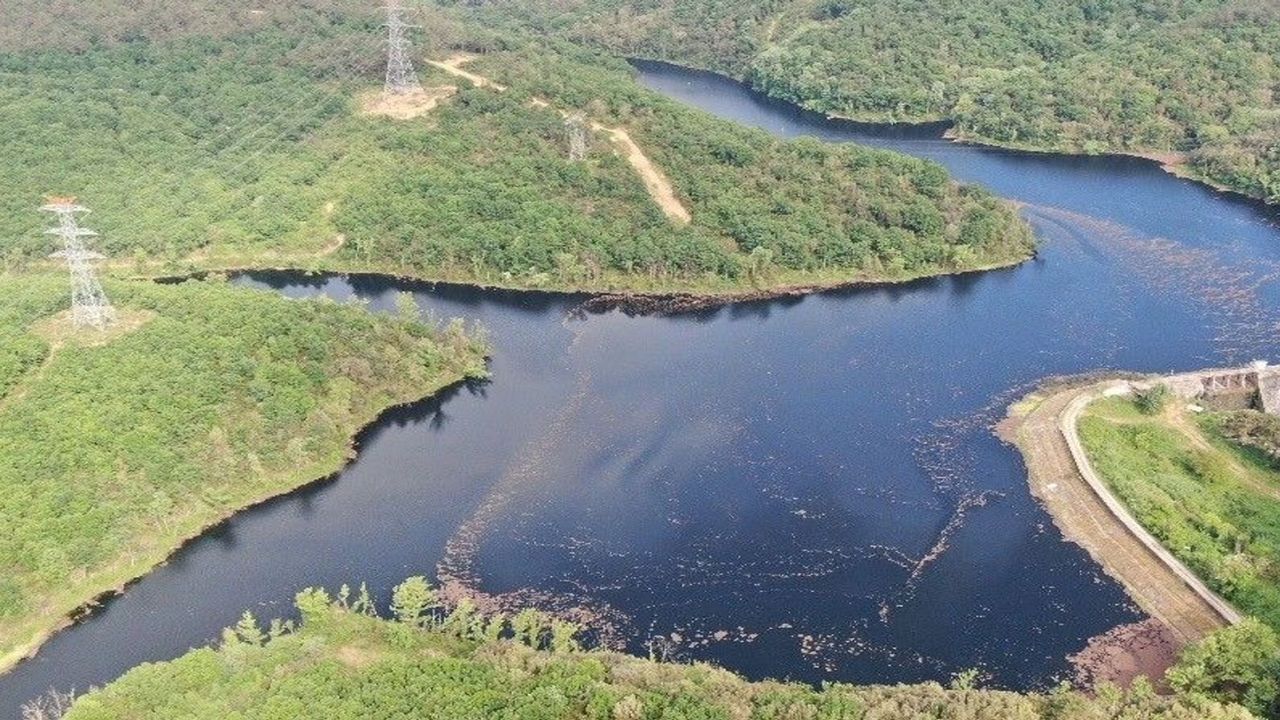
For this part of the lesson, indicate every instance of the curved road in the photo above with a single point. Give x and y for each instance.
(1062, 478)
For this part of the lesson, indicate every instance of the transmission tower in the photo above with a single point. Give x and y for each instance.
(575, 126)
(89, 305)
(401, 79)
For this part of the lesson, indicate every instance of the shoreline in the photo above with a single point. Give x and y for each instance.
(1175, 163)
(595, 299)
(30, 648)
(1179, 167)
(1042, 426)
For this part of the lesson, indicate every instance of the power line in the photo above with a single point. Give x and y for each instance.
(575, 125)
(401, 79)
(89, 304)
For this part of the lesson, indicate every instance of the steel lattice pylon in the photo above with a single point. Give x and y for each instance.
(575, 125)
(89, 304)
(401, 79)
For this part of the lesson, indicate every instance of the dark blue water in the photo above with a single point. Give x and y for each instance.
(806, 488)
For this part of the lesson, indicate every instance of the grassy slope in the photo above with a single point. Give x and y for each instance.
(112, 455)
(1214, 505)
(248, 150)
(1197, 76)
(345, 665)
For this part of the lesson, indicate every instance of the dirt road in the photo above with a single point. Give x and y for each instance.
(1043, 428)
(655, 182)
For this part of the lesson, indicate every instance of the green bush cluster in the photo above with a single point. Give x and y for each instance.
(342, 662)
(1195, 76)
(111, 454)
(1152, 400)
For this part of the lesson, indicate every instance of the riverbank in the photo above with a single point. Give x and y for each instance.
(659, 299)
(1043, 428)
(342, 663)
(1178, 164)
(116, 454)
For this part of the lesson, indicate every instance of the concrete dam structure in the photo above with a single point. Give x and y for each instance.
(1255, 385)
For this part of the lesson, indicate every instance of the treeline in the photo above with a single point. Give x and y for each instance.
(204, 398)
(344, 662)
(240, 150)
(1150, 76)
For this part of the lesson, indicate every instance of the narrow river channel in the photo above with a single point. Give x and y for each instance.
(805, 489)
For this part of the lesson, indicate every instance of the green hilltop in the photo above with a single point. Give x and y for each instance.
(251, 149)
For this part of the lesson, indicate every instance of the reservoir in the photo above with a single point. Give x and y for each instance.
(805, 488)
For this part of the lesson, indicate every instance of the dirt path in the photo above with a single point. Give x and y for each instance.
(655, 182)
(453, 65)
(1045, 434)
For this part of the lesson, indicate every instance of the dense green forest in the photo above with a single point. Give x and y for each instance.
(1200, 77)
(1213, 505)
(239, 142)
(343, 662)
(201, 400)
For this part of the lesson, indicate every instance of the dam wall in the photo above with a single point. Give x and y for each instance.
(1254, 384)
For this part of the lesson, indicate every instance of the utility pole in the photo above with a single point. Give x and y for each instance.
(401, 79)
(89, 304)
(575, 125)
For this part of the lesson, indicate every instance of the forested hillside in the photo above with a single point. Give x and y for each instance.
(202, 399)
(345, 663)
(1148, 76)
(237, 140)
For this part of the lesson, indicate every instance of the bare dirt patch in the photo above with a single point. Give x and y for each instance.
(1125, 653)
(59, 330)
(407, 106)
(357, 658)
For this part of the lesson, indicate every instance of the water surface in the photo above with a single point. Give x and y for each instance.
(805, 488)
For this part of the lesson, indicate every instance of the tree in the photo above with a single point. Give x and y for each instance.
(413, 600)
(1239, 664)
(529, 625)
(406, 307)
(247, 630)
(1152, 400)
(465, 621)
(564, 637)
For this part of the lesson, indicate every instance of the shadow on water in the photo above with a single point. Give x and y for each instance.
(805, 487)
